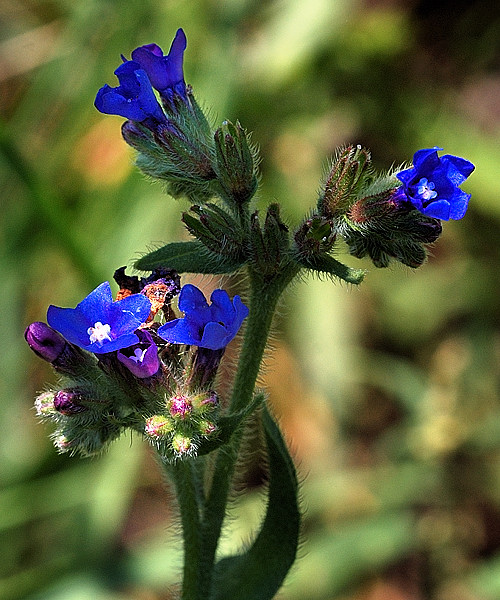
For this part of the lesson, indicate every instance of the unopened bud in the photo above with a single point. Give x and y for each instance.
(315, 235)
(67, 402)
(181, 444)
(270, 244)
(45, 341)
(52, 347)
(386, 226)
(207, 427)
(205, 365)
(44, 404)
(158, 426)
(344, 179)
(180, 407)
(205, 401)
(62, 443)
(235, 162)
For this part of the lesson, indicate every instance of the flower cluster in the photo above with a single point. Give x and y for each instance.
(165, 124)
(149, 68)
(122, 368)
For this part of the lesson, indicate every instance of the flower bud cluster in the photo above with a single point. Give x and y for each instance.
(395, 216)
(385, 226)
(184, 422)
(118, 363)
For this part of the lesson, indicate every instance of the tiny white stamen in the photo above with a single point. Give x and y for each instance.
(425, 189)
(99, 333)
(138, 355)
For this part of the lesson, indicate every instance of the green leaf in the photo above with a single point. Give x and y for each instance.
(258, 573)
(188, 257)
(327, 265)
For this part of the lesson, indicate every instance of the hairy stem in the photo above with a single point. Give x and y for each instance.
(263, 300)
(188, 494)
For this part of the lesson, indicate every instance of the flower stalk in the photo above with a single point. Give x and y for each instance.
(141, 362)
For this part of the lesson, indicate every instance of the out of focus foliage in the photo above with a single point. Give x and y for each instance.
(389, 394)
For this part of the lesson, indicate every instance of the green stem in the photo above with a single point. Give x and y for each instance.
(188, 494)
(263, 300)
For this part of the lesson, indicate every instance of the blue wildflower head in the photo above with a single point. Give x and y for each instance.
(133, 99)
(164, 71)
(100, 325)
(141, 359)
(432, 184)
(205, 326)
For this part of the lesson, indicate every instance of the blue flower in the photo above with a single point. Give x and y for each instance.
(432, 184)
(205, 326)
(164, 71)
(98, 324)
(141, 359)
(133, 99)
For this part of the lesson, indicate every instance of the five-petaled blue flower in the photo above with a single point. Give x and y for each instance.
(100, 325)
(133, 99)
(432, 184)
(164, 71)
(205, 326)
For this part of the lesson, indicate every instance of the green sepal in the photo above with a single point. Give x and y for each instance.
(384, 229)
(188, 257)
(236, 160)
(259, 572)
(269, 244)
(351, 169)
(227, 425)
(327, 265)
(217, 230)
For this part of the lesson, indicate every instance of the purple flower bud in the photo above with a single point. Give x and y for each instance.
(141, 359)
(67, 402)
(180, 407)
(44, 341)
(204, 367)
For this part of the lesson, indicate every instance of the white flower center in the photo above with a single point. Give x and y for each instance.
(99, 333)
(425, 189)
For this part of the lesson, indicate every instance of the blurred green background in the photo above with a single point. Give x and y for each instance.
(388, 394)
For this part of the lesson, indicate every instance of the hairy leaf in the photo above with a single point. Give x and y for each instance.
(258, 573)
(188, 257)
(327, 265)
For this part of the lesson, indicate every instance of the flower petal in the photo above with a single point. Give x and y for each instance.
(215, 336)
